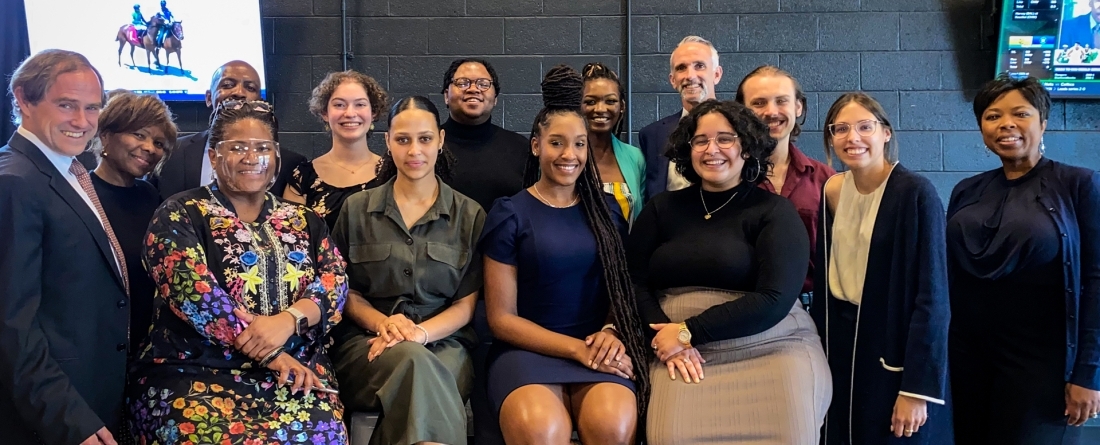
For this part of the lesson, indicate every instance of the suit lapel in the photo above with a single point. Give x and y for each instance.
(65, 190)
(192, 161)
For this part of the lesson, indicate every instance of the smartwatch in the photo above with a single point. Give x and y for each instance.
(301, 323)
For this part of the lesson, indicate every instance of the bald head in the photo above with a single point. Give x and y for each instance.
(234, 80)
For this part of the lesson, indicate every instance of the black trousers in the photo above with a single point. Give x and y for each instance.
(1007, 397)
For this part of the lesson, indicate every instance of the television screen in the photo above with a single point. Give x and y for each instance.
(1055, 41)
(138, 45)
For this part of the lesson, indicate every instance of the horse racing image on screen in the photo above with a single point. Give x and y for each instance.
(164, 47)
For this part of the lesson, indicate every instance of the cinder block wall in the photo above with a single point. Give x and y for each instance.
(921, 58)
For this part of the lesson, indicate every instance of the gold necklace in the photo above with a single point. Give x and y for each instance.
(547, 202)
(715, 210)
(348, 169)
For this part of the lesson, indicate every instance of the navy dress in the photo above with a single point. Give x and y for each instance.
(1008, 344)
(560, 287)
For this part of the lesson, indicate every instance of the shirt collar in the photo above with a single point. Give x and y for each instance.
(799, 161)
(383, 200)
(60, 161)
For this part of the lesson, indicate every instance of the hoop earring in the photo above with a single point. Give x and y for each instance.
(758, 168)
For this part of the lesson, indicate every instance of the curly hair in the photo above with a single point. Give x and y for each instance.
(448, 76)
(1029, 87)
(757, 144)
(561, 95)
(444, 163)
(799, 95)
(318, 101)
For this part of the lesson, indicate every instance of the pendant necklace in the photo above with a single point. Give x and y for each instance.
(709, 213)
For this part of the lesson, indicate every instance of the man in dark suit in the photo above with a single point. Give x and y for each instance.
(694, 71)
(64, 307)
(1082, 30)
(189, 166)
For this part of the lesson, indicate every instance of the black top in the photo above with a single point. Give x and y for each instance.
(490, 160)
(1007, 249)
(755, 244)
(322, 197)
(129, 209)
(1007, 232)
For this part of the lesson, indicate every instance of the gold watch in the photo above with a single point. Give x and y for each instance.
(684, 336)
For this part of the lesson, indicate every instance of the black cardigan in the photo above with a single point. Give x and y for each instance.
(905, 312)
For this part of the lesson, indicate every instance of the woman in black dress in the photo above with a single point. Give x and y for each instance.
(136, 133)
(347, 103)
(1024, 262)
(568, 341)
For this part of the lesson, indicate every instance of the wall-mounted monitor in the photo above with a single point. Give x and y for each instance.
(169, 48)
(1056, 41)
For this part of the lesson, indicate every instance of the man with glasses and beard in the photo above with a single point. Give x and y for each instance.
(694, 72)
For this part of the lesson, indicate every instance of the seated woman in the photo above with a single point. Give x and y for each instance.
(136, 133)
(717, 269)
(621, 165)
(348, 103)
(413, 274)
(248, 287)
(557, 293)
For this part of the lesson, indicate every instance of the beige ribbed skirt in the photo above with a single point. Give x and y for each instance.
(769, 388)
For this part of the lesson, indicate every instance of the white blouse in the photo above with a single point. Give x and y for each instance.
(853, 225)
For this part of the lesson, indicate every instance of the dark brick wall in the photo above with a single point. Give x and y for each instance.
(921, 58)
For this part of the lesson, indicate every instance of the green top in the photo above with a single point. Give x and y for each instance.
(416, 271)
(632, 165)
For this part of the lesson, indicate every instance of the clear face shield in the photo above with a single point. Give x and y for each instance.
(246, 166)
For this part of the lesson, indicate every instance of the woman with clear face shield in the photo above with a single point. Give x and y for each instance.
(248, 287)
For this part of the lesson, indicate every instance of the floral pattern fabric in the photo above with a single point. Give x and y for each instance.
(189, 385)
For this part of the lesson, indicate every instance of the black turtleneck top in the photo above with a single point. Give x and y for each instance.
(490, 160)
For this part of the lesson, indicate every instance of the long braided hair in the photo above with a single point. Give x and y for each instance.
(561, 95)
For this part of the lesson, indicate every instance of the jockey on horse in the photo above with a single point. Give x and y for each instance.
(137, 19)
(168, 20)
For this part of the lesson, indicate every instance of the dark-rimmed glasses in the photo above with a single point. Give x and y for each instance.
(701, 142)
(865, 128)
(482, 84)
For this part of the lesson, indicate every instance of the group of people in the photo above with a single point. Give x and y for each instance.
(714, 285)
(164, 17)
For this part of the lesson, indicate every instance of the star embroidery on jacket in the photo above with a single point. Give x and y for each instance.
(251, 279)
(293, 276)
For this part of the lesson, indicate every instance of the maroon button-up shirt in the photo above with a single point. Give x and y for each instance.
(805, 178)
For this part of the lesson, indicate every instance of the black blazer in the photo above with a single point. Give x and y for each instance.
(182, 169)
(64, 313)
(653, 139)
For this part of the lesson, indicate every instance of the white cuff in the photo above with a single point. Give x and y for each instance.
(925, 398)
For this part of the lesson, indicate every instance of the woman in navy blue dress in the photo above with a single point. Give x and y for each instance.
(1024, 261)
(558, 295)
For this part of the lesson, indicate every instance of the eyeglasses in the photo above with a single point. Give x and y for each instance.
(865, 128)
(464, 83)
(701, 142)
(239, 149)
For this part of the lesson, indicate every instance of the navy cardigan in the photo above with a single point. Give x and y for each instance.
(905, 311)
(1072, 198)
